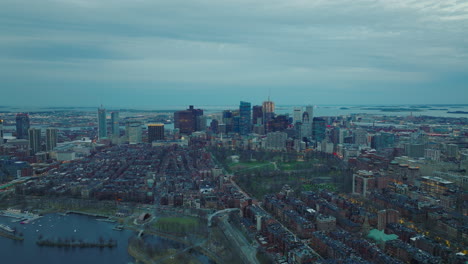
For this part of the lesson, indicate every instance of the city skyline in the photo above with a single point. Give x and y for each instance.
(234, 131)
(147, 53)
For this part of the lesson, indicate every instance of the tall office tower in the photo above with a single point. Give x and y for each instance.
(360, 137)
(227, 120)
(257, 115)
(245, 121)
(1, 131)
(335, 135)
(268, 108)
(115, 124)
(188, 121)
(363, 182)
(134, 132)
(155, 132)
(22, 126)
(102, 123)
(306, 127)
(318, 129)
(310, 111)
(236, 124)
(386, 140)
(214, 126)
(279, 123)
(34, 140)
(201, 123)
(305, 117)
(297, 115)
(51, 138)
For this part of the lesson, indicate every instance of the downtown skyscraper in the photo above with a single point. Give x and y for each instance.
(245, 118)
(268, 108)
(22, 126)
(51, 138)
(102, 123)
(190, 120)
(1, 131)
(34, 140)
(115, 128)
(155, 132)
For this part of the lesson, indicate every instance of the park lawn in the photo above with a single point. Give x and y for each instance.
(176, 224)
(249, 165)
(287, 166)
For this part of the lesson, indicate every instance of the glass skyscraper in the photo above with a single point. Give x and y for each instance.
(115, 124)
(245, 118)
(318, 129)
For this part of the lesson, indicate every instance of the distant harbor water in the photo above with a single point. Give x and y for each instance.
(78, 227)
(319, 110)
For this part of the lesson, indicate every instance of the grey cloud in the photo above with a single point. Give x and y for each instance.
(223, 44)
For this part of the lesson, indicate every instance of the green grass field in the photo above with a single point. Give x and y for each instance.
(243, 166)
(177, 224)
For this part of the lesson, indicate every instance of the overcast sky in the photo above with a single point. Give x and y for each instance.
(149, 52)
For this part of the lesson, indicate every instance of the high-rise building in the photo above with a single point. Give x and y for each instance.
(279, 123)
(201, 123)
(245, 115)
(1, 131)
(306, 127)
(51, 138)
(385, 140)
(310, 111)
(305, 117)
(318, 129)
(268, 108)
(22, 126)
(360, 137)
(188, 121)
(115, 124)
(134, 132)
(236, 124)
(155, 132)
(414, 150)
(451, 150)
(432, 154)
(102, 123)
(34, 140)
(363, 182)
(335, 135)
(227, 120)
(257, 115)
(297, 115)
(214, 126)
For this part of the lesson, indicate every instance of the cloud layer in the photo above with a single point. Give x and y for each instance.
(80, 52)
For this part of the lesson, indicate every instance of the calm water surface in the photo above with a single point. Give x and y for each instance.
(67, 227)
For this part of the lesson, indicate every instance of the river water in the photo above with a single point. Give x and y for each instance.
(67, 227)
